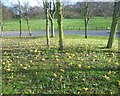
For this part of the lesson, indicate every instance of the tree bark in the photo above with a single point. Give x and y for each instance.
(20, 22)
(86, 28)
(20, 18)
(60, 24)
(51, 15)
(52, 27)
(47, 23)
(86, 19)
(28, 26)
(114, 24)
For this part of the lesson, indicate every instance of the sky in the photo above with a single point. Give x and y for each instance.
(35, 3)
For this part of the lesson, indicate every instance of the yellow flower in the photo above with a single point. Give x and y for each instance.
(56, 56)
(8, 70)
(78, 92)
(109, 60)
(57, 59)
(93, 60)
(24, 67)
(106, 77)
(117, 63)
(79, 65)
(73, 54)
(30, 61)
(82, 59)
(76, 77)
(55, 75)
(118, 82)
(57, 65)
(67, 53)
(3, 63)
(87, 55)
(43, 59)
(78, 58)
(61, 76)
(109, 72)
(7, 62)
(88, 67)
(21, 65)
(69, 57)
(62, 70)
(83, 79)
(4, 52)
(85, 88)
(35, 51)
(70, 64)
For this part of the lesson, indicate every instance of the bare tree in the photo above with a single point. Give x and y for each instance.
(20, 17)
(26, 14)
(116, 13)
(46, 8)
(88, 11)
(51, 15)
(60, 23)
(104, 9)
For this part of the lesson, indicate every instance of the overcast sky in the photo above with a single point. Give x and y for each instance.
(35, 3)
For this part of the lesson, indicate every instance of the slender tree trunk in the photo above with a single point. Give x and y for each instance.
(20, 22)
(51, 15)
(20, 18)
(28, 26)
(86, 19)
(114, 24)
(52, 27)
(60, 24)
(86, 28)
(47, 24)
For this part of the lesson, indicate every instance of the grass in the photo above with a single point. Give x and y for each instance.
(69, 24)
(85, 66)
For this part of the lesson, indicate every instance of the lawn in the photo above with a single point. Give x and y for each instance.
(85, 66)
(99, 23)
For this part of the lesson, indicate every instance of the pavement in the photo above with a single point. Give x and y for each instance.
(42, 33)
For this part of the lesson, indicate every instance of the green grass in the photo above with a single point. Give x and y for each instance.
(69, 24)
(85, 66)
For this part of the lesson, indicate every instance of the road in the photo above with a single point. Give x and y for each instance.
(81, 32)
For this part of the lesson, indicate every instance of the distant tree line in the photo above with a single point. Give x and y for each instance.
(103, 9)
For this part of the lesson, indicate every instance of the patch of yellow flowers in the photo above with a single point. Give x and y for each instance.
(79, 65)
(62, 70)
(55, 75)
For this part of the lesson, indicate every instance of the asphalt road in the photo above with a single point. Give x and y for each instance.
(42, 33)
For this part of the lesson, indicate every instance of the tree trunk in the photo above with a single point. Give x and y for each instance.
(20, 22)
(86, 19)
(52, 28)
(86, 28)
(60, 24)
(114, 24)
(20, 18)
(28, 26)
(47, 25)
